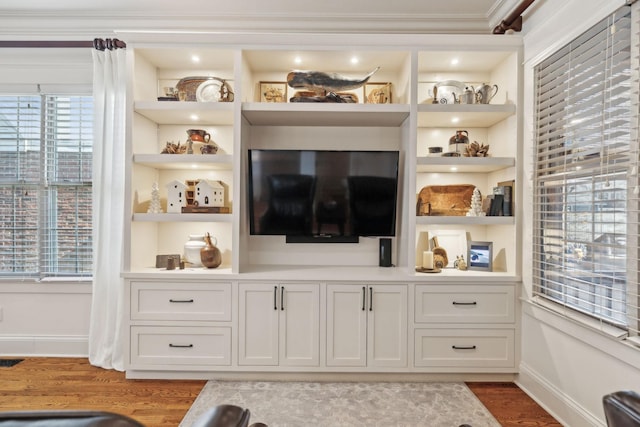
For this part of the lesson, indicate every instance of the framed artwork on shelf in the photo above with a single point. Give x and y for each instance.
(377, 93)
(480, 256)
(273, 92)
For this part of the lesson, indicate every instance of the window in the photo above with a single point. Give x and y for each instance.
(45, 185)
(586, 179)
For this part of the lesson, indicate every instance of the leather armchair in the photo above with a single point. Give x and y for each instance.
(66, 418)
(218, 416)
(622, 409)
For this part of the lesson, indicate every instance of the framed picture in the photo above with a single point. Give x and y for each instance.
(377, 93)
(480, 256)
(273, 92)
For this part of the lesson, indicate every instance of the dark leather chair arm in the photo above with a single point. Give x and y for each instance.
(622, 409)
(224, 416)
(66, 418)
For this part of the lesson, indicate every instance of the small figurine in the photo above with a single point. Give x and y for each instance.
(460, 263)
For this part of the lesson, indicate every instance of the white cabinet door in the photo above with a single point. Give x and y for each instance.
(367, 325)
(258, 325)
(346, 325)
(387, 326)
(279, 325)
(299, 325)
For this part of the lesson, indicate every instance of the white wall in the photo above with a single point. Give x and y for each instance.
(565, 366)
(44, 319)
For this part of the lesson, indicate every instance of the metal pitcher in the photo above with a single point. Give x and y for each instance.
(468, 96)
(485, 93)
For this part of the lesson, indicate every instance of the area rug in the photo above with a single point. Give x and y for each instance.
(347, 404)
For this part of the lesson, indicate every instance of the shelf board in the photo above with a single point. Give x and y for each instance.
(185, 161)
(465, 220)
(182, 217)
(469, 115)
(325, 114)
(463, 164)
(179, 112)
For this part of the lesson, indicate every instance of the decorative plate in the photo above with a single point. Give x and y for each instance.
(448, 91)
(192, 85)
(209, 91)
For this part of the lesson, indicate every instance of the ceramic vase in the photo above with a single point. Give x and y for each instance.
(210, 255)
(192, 249)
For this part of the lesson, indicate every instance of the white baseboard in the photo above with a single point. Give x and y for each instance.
(561, 406)
(44, 346)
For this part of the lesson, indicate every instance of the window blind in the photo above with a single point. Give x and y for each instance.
(585, 232)
(45, 185)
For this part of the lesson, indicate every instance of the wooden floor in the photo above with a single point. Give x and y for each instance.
(71, 383)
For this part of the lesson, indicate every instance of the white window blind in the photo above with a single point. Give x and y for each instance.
(585, 233)
(45, 185)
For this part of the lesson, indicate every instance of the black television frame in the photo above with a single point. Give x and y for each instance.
(313, 237)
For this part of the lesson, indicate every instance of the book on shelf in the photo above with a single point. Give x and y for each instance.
(505, 188)
(496, 205)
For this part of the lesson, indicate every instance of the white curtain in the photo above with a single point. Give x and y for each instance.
(109, 92)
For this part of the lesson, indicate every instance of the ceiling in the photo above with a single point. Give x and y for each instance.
(19, 18)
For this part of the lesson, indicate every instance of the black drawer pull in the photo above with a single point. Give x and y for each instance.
(465, 303)
(463, 347)
(181, 346)
(275, 297)
(370, 298)
(181, 300)
(364, 297)
(282, 298)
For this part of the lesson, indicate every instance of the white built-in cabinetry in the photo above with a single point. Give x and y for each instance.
(367, 325)
(273, 306)
(279, 324)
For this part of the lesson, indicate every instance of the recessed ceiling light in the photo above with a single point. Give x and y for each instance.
(354, 60)
(455, 61)
(453, 169)
(297, 60)
(455, 119)
(195, 58)
(194, 117)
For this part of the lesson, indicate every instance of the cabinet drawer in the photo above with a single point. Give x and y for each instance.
(172, 301)
(486, 348)
(464, 304)
(152, 345)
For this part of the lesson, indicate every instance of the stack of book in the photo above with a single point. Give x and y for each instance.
(501, 201)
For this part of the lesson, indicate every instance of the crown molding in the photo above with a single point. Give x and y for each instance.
(500, 10)
(75, 25)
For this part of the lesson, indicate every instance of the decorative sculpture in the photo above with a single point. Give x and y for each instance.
(325, 86)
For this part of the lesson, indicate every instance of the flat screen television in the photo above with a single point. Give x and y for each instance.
(322, 195)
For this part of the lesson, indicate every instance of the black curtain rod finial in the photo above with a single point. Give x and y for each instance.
(513, 22)
(100, 44)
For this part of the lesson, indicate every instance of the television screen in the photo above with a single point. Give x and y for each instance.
(323, 193)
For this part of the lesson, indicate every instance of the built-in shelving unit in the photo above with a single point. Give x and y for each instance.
(301, 114)
(176, 112)
(463, 164)
(232, 322)
(469, 115)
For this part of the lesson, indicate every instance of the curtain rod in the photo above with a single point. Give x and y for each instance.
(99, 44)
(514, 20)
